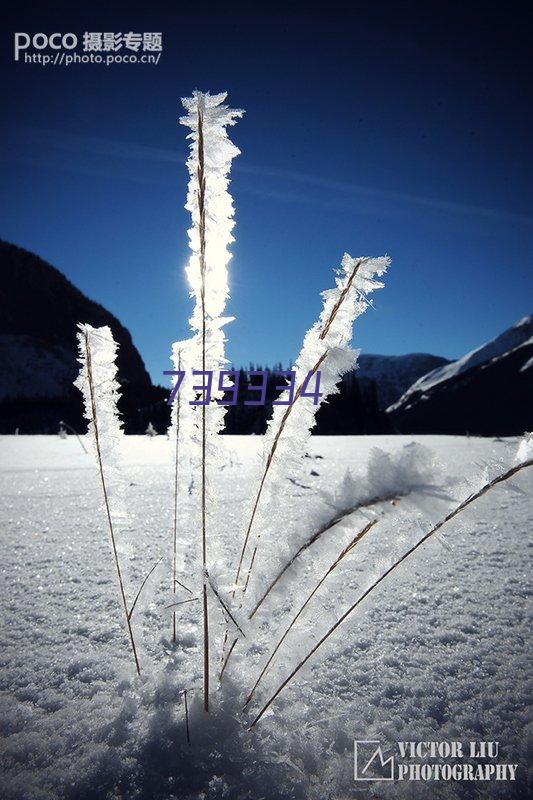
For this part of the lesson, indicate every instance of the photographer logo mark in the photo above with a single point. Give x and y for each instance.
(369, 763)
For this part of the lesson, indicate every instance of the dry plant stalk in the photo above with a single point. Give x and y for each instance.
(203, 487)
(325, 329)
(75, 432)
(94, 415)
(265, 474)
(186, 716)
(175, 516)
(284, 419)
(348, 549)
(141, 587)
(312, 539)
(210, 204)
(224, 606)
(457, 510)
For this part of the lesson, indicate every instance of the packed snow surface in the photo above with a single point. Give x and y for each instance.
(437, 652)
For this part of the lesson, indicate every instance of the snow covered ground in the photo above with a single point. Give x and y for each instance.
(438, 652)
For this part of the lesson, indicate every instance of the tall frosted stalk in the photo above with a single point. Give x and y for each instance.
(211, 208)
(325, 350)
(97, 382)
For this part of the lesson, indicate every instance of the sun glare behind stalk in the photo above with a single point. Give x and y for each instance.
(211, 209)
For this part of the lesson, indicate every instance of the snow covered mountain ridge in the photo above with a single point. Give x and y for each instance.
(507, 341)
(393, 375)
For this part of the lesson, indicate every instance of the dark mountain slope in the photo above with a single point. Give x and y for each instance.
(393, 375)
(39, 312)
(493, 398)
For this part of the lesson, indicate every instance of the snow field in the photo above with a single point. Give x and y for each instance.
(437, 652)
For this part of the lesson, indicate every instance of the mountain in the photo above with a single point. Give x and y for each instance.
(39, 312)
(506, 341)
(393, 375)
(486, 392)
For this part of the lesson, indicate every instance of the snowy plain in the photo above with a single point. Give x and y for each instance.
(438, 652)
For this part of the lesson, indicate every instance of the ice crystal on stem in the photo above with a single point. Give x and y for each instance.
(325, 350)
(97, 382)
(211, 208)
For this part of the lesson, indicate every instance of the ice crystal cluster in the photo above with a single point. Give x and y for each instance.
(211, 207)
(97, 381)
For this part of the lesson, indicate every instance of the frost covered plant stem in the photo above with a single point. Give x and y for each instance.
(325, 349)
(203, 489)
(181, 434)
(388, 479)
(312, 539)
(211, 208)
(268, 464)
(176, 412)
(347, 550)
(100, 393)
(523, 464)
(201, 226)
(325, 342)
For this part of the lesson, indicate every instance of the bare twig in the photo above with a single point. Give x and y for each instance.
(224, 605)
(175, 520)
(457, 510)
(186, 717)
(348, 549)
(182, 602)
(141, 587)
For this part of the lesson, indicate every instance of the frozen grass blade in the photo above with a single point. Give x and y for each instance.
(141, 587)
(457, 510)
(224, 606)
(75, 432)
(203, 489)
(100, 396)
(325, 349)
(211, 207)
(175, 428)
(183, 602)
(348, 549)
(312, 539)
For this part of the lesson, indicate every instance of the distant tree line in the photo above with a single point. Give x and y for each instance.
(354, 410)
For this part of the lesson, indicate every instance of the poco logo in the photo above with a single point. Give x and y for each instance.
(41, 41)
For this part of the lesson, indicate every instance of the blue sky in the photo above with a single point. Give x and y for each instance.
(375, 128)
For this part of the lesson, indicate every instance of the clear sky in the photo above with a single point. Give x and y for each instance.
(401, 128)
